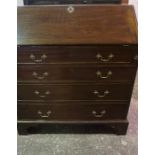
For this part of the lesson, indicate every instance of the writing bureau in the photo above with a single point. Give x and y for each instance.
(76, 67)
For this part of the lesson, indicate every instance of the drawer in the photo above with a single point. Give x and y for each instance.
(74, 92)
(77, 54)
(72, 112)
(73, 73)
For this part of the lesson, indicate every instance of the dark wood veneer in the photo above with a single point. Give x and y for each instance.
(111, 126)
(49, 25)
(67, 78)
(58, 73)
(77, 54)
(72, 112)
(75, 92)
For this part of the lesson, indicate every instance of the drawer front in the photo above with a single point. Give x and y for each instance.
(77, 54)
(72, 112)
(74, 92)
(73, 73)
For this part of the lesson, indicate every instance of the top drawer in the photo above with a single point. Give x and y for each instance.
(114, 54)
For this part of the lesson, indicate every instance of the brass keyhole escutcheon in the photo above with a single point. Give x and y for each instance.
(70, 9)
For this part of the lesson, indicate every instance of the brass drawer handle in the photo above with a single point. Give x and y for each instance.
(106, 92)
(33, 57)
(42, 96)
(35, 74)
(99, 115)
(100, 57)
(48, 113)
(99, 74)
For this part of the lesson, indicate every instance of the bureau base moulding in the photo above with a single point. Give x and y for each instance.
(118, 127)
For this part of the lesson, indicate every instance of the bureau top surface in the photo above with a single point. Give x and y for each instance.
(76, 24)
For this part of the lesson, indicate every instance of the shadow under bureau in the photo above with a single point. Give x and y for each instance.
(76, 68)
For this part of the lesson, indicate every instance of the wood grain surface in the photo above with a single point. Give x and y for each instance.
(114, 24)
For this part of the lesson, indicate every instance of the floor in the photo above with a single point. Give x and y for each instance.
(85, 144)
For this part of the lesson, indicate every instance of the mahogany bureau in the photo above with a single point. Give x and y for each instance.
(76, 68)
